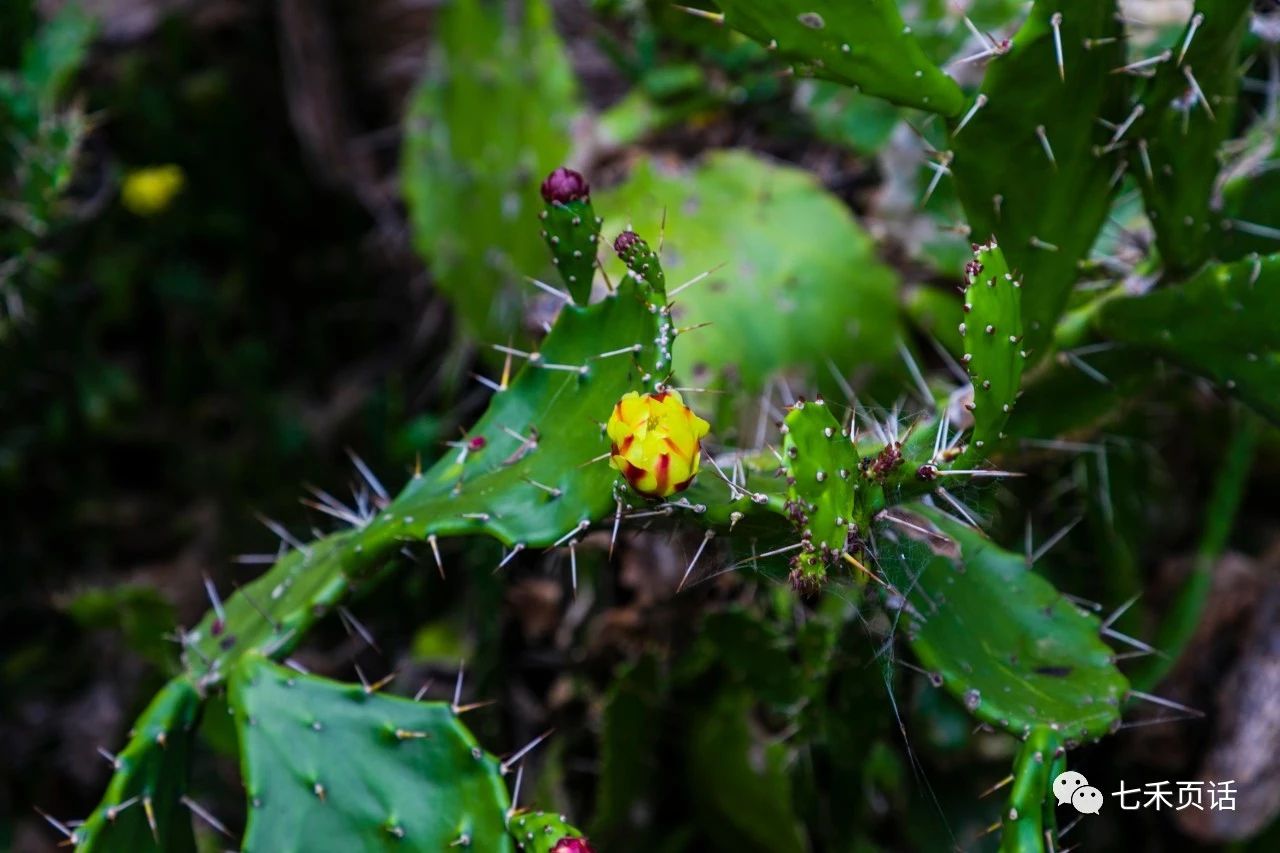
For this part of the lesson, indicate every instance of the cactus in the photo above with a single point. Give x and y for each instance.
(993, 353)
(521, 476)
(493, 112)
(783, 275)
(1187, 111)
(1026, 155)
(544, 832)
(142, 809)
(1219, 324)
(861, 43)
(334, 766)
(997, 636)
(572, 230)
(1029, 818)
(822, 476)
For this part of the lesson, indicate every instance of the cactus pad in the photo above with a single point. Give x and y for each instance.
(861, 43)
(141, 810)
(996, 635)
(572, 230)
(545, 832)
(493, 110)
(1026, 163)
(331, 766)
(1221, 324)
(822, 476)
(1188, 109)
(992, 332)
(523, 479)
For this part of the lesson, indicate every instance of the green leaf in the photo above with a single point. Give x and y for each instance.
(797, 280)
(490, 118)
(1221, 324)
(332, 766)
(998, 636)
(1045, 213)
(993, 354)
(860, 43)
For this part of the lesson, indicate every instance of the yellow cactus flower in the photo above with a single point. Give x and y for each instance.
(657, 442)
(150, 190)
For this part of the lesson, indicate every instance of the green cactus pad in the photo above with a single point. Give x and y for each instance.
(492, 114)
(993, 354)
(530, 482)
(1221, 324)
(572, 231)
(791, 278)
(1031, 798)
(1174, 143)
(331, 766)
(996, 635)
(822, 477)
(540, 832)
(861, 43)
(141, 810)
(1045, 213)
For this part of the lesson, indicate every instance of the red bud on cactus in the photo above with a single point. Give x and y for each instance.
(625, 241)
(573, 845)
(563, 186)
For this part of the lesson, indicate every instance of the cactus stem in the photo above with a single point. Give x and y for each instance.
(1142, 65)
(554, 291)
(1196, 20)
(1195, 87)
(520, 753)
(706, 537)
(1055, 21)
(978, 103)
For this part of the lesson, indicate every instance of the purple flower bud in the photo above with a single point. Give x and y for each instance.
(626, 241)
(572, 845)
(563, 186)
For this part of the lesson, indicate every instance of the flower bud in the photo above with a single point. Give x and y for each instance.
(563, 186)
(657, 442)
(573, 845)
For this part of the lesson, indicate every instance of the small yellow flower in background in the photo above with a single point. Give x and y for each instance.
(657, 442)
(150, 190)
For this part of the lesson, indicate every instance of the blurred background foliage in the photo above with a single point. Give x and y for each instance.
(238, 238)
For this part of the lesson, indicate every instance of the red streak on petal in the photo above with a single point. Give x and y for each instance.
(662, 473)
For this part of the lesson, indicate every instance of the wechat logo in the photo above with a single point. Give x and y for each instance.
(1071, 787)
